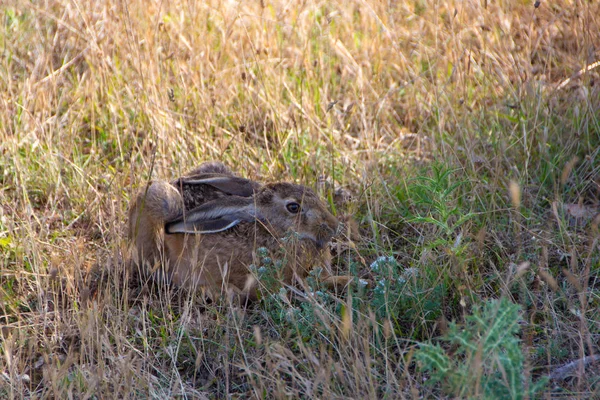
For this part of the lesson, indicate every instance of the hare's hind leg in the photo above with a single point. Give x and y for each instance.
(154, 205)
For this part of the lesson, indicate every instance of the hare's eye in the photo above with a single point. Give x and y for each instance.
(294, 208)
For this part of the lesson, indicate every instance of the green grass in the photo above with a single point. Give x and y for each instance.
(445, 121)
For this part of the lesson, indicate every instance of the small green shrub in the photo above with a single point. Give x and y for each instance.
(309, 317)
(486, 360)
(409, 297)
(438, 201)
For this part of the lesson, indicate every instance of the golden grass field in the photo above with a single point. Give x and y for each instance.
(467, 132)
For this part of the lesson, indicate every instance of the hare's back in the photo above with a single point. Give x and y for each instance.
(195, 195)
(197, 190)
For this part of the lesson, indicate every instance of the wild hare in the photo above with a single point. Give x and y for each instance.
(203, 230)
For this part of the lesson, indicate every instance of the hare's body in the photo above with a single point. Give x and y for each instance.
(204, 229)
(198, 189)
(211, 181)
(222, 260)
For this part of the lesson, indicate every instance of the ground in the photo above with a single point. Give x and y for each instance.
(466, 138)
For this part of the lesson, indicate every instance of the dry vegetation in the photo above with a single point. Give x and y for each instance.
(468, 138)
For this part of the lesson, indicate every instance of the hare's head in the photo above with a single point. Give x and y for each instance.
(280, 207)
(288, 207)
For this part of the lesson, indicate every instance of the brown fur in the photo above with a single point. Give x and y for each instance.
(211, 167)
(156, 203)
(195, 194)
(220, 260)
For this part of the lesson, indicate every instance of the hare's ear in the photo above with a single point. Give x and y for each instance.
(231, 185)
(215, 216)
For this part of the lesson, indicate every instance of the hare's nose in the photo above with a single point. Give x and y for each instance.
(328, 230)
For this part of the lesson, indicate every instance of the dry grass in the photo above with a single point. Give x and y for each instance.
(99, 96)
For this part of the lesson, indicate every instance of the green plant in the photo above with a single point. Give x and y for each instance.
(439, 201)
(411, 298)
(309, 317)
(486, 360)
